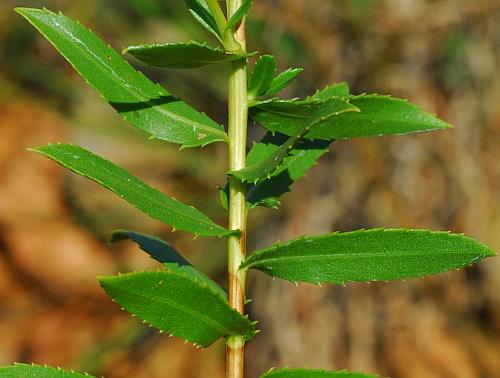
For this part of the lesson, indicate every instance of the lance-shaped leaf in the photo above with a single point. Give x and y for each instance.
(314, 373)
(144, 197)
(36, 371)
(261, 76)
(164, 253)
(264, 165)
(283, 80)
(201, 12)
(302, 158)
(141, 102)
(368, 255)
(334, 90)
(378, 116)
(180, 55)
(177, 302)
(239, 14)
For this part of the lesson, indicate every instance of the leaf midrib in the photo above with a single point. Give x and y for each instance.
(134, 92)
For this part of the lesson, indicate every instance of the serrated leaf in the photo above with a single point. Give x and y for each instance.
(368, 255)
(179, 304)
(164, 253)
(334, 90)
(265, 165)
(141, 102)
(314, 373)
(283, 80)
(261, 76)
(239, 14)
(201, 12)
(144, 197)
(37, 371)
(378, 116)
(303, 157)
(181, 55)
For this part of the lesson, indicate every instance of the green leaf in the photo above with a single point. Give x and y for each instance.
(141, 102)
(239, 14)
(283, 80)
(378, 116)
(264, 165)
(144, 197)
(164, 253)
(334, 90)
(368, 255)
(180, 55)
(36, 371)
(314, 373)
(261, 76)
(201, 12)
(302, 158)
(178, 303)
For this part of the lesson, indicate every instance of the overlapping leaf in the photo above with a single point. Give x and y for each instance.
(201, 12)
(265, 165)
(239, 14)
(314, 373)
(334, 90)
(180, 55)
(368, 255)
(144, 197)
(36, 371)
(261, 76)
(141, 102)
(283, 80)
(177, 302)
(378, 116)
(164, 253)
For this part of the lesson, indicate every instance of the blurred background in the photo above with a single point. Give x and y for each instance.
(54, 226)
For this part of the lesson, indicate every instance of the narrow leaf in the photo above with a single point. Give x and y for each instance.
(261, 76)
(262, 168)
(314, 373)
(141, 102)
(368, 255)
(239, 14)
(201, 12)
(283, 80)
(302, 158)
(180, 55)
(379, 116)
(334, 90)
(144, 197)
(35, 371)
(179, 304)
(164, 253)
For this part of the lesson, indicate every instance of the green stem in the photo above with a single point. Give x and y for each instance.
(216, 11)
(237, 131)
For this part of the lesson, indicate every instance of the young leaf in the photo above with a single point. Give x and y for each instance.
(283, 80)
(201, 12)
(180, 55)
(164, 253)
(313, 373)
(35, 371)
(368, 255)
(262, 168)
(262, 76)
(239, 14)
(302, 158)
(141, 102)
(334, 90)
(178, 303)
(378, 116)
(144, 197)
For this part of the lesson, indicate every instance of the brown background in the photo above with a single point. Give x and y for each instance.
(54, 226)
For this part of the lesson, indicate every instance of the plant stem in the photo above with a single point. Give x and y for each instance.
(237, 131)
